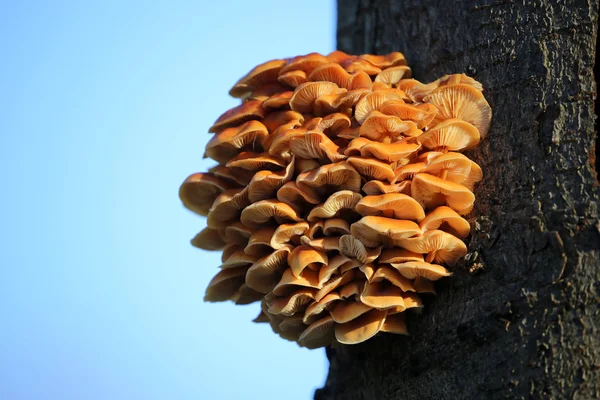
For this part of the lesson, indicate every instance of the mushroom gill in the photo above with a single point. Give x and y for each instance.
(340, 192)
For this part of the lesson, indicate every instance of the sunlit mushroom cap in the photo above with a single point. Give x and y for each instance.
(260, 75)
(414, 269)
(338, 201)
(331, 72)
(376, 187)
(393, 205)
(265, 184)
(306, 63)
(451, 134)
(327, 244)
(447, 220)
(247, 111)
(296, 197)
(431, 191)
(251, 161)
(303, 257)
(266, 272)
(355, 249)
(386, 60)
(440, 247)
(334, 283)
(227, 208)
(333, 267)
(331, 124)
(395, 323)
(421, 114)
(360, 329)
(238, 234)
(423, 285)
(373, 101)
(475, 175)
(279, 120)
(246, 295)
(286, 232)
(259, 243)
(199, 191)
(336, 227)
(337, 176)
(289, 305)
(309, 279)
(346, 311)
(373, 231)
(391, 275)
(338, 56)
(371, 168)
(316, 145)
(389, 152)
(229, 142)
(408, 171)
(451, 166)
(318, 334)
(238, 178)
(398, 255)
(224, 285)
(305, 95)
(382, 295)
(262, 212)
(391, 76)
(293, 78)
(379, 126)
(464, 102)
(238, 259)
(360, 65)
(208, 239)
(278, 101)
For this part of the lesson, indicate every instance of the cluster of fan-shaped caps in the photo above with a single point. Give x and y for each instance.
(339, 192)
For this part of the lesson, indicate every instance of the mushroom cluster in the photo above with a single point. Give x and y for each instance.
(339, 193)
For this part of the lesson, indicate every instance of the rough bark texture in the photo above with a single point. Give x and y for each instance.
(520, 318)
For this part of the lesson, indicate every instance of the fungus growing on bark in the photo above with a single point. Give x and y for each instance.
(339, 193)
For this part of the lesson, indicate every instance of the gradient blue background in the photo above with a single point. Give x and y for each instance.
(104, 108)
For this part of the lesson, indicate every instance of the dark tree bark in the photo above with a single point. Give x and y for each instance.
(520, 318)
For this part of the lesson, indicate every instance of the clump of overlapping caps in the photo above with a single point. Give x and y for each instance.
(339, 192)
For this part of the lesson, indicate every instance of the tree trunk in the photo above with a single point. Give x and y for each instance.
(520, 317)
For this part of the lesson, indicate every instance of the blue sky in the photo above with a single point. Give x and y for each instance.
(104, 108)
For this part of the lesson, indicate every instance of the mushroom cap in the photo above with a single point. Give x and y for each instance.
(451, 166)
(360, 329)
(338, 201)
(334, 264)
(371, 168)
(389, 152)
(305, 95)
(309, 279)
(423, 285)
(331, 72)
(336, 227)
(303, 257)
(399, 255)
(278, 101)
(392, 205)
(414, 269)
(237, 233)
(420, 114)
(316, 145)
(314, 310)
(208, 239)
(446, 248)
(330, 124)
(446, 219)
(289, 305)
(251, 161)
(408, 171)
(464, 102)
(451, 134)
(296, 197)
(199, 191)
(431, 191)
(339, 176)
(382, 295)
(395, 323)
(260, 213)
(306, 63)
(224, 284)
(475, 175)
(259, 243)
(277, 121)
(358, 65)
(347, 311)
(266, 272)
(293, 78)
(352, 290)
(238, 259)
(265, 184)
(391, 76)
(286, 232)
(227, 207)
(373, 231)
(318, 334)
(373, 101)
(391, 275)
(386, 60)
(238, 178)
(381, 127)
(338, 56)
(373, 188)
(354, 248)
(247, 111)
(228, 143)
(327, 244)
(334, 283)
(229, 250)
(260, 75)
(245, 295)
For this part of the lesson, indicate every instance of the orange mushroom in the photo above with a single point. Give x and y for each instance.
(250, 110)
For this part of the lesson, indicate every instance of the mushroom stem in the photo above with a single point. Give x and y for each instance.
(444, 174)
(430, 257)
(442, 149)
